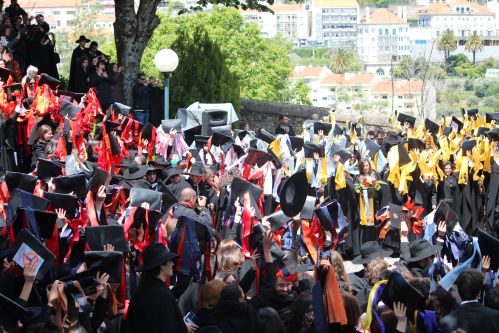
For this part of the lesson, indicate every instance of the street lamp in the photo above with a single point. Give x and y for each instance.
(166, 61)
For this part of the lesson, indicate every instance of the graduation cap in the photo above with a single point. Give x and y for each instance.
(445, 213)
(239, 150)
(372, 146)
(25, 199)
(221, 140)
(225, 130)
(13, 88)
(119, 108)
(325, 127)
(344, 153)
(239, 187)
(337, 130)
(456, 124)
(488, 246)
(481, 131)
(399, 290)
(404, 157)
(297, 143)
(99, 178)
(447, 130)
(99, 236)
(67, 202)
(18, 180)
(264, 135)
(403, 118)
(147, 130)
(274, 158)
(69, 109)
(74, 183)
(307, 212)
(489, 116)
(414, 143)
(293, 193)
(110, 262)
(168, 199)
(330, 219)
(140, 195)
(47, 169)
(472, 113)
(311, 148)
(168, 124)
(27, 248)
(4, 74)
(50, 81)
(256, 242)
(112, 126)
(468, 145)
(257, 157)
(11, 308)
(72, 95)
(493, 134)
(115, 145)
(278, 220)
(47, 120)
(395, 215)
(391, 139)
(45, 221)
(431, 126)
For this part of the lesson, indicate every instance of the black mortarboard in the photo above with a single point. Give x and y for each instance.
(456, 124)
(311, 148)
(140, 195)
(13, 88)
(297, 143)
(120, 108)
(326, 127)
(328, 216)
(168, 199)
(391, 139)
(307, 212)
(11, 308)
(399, 290)
(27, 248)
(489, 116)
(239, 187)
(25, 199)
(413, 143)
(110, 262)
(278, 220)
(238, 149)
(112, 126)
(447, 130)
(22, 181)
(344, 153)
(201, 141)
(69, 109)
(256, 242)
(221, 140)
(337, 130)
(488, 246)
(445, 213)
(431, 126)
(472, 113)
(493, 134)
(274, 158)
(115, 145)
(225, 130)
(99, 236)
(404, 157)
(47, 120)
(481, 131)
(257, 157)
(99, 178)
(4, 74)
(372, 146)
(468, 145)
(50, 81)
(44, 220)
(47, 169)
(168, 124)
(72, 95)
(67, 202)
(147, 131)
(395, 215)
(73, 183)
(293, 193)
(404, 118)
(264, 135)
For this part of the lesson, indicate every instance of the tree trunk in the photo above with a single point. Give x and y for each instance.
(132, 31)
(474, 57)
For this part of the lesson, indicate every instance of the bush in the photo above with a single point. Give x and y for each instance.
(454, 85)
(468, 85)
(491, 102)
(473, 101)
(484, 88)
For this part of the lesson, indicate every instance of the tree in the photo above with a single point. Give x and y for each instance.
(297, 92)
(205, 78)
(134, 27)
(474, 44)
(343, 61)
(454, 61)
(447, 43)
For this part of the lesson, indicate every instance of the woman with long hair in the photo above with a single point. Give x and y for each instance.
(43, 137)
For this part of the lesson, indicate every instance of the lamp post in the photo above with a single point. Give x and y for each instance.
(166, 61)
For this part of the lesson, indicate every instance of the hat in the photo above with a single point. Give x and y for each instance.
(135, 171)
(147, 130)
(201, 141)
(468, 145)
(493, 134)
(445, 213)
(413, 143)
(311, 148)
(172, 171)
(472, 113)
(332, 219)
(25, 199)
(489, 116)
(72, 95)
(4, 74)
(369, 251)
(293, 193)
(22, 181)
(431, 127)
(481, 131)
(82, 38)
(110, 262)
(404, 118)
(239, 187)
(47, 169)
(297, 143)
(67, 202)
(74, 183)
(344, 153)
(119, 108)
(69, 109)
(115, 145)
(99, 236)
(12, 309)
(50, 81)
(99, 178)
(27, 248)
(154, 256)
(420, 249)
(256, 242)
(488, 246)
(262, 134)
(307, 212)
(140, 195)
(221, 140)
(372, 146)
(257, 157)
(404, 157)
(197, 169)
(325, 127)
(399, 290)
(456, 124)
(13, 88)
(168, 124)
(160, 160)
(391, 139)
(39, 222)
(274, 158)
(278, 220)
(168, 199)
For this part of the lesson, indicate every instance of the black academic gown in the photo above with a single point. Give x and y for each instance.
(154, 309)
(471, 317)
(493, 200)
(77, 54)
(471, 207)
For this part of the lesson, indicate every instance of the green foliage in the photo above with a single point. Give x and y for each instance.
(447, 43)
(468, 85)
(454, 61)
(474, 44)
(210, 80)
(468, 70)
(417, 68)
(297, 92)
(485, 88)
(344, 61)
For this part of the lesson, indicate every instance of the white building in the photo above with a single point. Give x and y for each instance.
(312, 76)
(58, 13)
(382, 38)
(334, 22)
(344, 89)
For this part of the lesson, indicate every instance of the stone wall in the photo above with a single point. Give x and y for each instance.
(264, 114)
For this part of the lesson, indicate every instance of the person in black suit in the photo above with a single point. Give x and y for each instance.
(79, 52)
(284, 127)
(471, 316)
(103, 85)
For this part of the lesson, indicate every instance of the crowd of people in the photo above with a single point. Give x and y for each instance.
(113, 220)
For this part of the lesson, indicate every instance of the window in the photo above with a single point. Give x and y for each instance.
(384, 97)
(56, 12)
(71, 12)
(324, 98)
(380, 72)
(399, 97)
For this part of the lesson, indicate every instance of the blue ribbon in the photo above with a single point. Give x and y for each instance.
(341, 222)
(448, 280)
(320, 323)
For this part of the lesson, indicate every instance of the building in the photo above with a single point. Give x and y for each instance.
(382, 38)
(312, 76)
(334, 23)
(344, 89)
(59, 12)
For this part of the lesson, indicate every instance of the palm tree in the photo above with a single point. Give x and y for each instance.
(341, 61)
(447, 43)
(474, 43)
